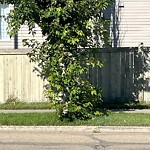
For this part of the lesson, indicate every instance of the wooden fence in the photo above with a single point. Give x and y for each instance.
(124, 77)
(17, 78)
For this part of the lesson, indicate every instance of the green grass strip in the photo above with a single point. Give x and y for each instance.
(23, 105)
(51, 119)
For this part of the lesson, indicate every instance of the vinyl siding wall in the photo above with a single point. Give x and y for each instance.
(130, 25)
(22, 34)
(133, 21)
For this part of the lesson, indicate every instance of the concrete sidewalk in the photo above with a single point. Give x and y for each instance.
(85, 129)
(146, 111)
(27, 111)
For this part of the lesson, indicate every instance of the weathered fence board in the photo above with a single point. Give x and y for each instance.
(124, 77)
(17, 78)
(106, 72)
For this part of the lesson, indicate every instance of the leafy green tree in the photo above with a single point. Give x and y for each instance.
(69, 27)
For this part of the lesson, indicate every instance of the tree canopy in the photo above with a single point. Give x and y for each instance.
(70, 28)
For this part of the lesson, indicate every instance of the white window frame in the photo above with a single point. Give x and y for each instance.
(6, 37)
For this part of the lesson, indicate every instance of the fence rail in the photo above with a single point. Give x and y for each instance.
(124, 77)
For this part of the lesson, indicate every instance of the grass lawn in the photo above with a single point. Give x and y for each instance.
(23, 105)
(14, 105)
(112, 119)
(50, 119)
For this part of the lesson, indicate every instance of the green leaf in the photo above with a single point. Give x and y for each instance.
(93, 92)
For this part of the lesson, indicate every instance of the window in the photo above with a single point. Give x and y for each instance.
(4, 10)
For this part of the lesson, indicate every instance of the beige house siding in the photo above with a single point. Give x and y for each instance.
(130, 25)
(133, 23)
(9, 44)
(24, 34)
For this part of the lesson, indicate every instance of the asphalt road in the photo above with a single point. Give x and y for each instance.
(50, 140)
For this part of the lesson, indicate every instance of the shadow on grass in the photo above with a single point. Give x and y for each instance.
(125, 106)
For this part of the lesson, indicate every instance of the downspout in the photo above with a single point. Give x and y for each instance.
(114, 25)
(16, 41)
(16, 35)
